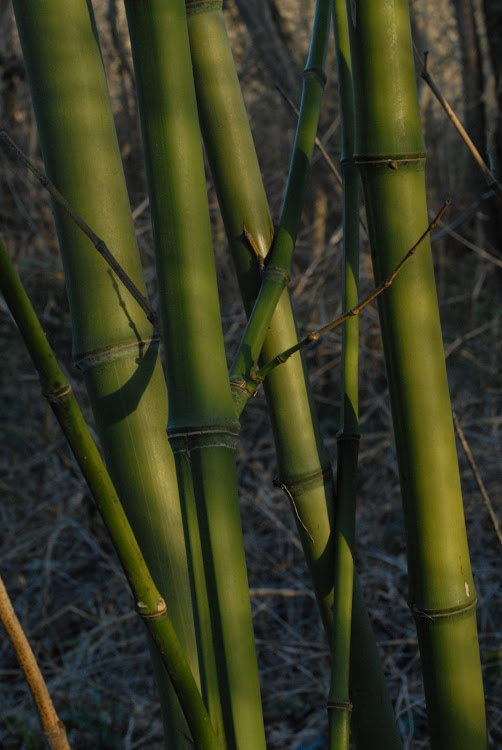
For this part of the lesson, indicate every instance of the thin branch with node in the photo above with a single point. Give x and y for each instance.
(260, 375)
(98, 243)
(490, 178)
(477, 476)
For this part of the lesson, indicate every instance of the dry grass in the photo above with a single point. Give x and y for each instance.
(55, 557)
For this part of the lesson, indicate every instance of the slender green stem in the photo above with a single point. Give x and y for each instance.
(339, 701)
(149, 603)
(276, 273)
(318, 141)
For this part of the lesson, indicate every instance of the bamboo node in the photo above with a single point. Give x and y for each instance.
(282, 273)
(58, 393)
(346, 436)
(439, 614)
(199, 6)
(151, 614)
(317, 73)
(339, 706)
(291, 485)
(85, 362)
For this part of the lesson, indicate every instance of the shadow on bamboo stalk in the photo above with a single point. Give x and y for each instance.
(149, 603)
(202, 424)
(344, 651)
(110, 330)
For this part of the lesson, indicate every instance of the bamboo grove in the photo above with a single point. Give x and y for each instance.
(169, 445)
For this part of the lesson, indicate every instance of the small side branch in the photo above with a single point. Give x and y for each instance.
(52, 725)
(477, 476)
(491, 180)
(259, 377)
(98, 243)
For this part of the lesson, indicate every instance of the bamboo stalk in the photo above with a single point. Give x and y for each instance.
(149, 603)
(202, 425)
(390, 153)
(304, 470)
(340, 703)
(113, 342)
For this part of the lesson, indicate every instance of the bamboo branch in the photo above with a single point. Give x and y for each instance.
(150, 604)
(98, 243)
(477, 476)
(491, 180)
(54, 729)
(276, 274)
(259, 377)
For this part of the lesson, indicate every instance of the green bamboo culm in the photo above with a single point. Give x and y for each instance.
(390, 154)
(304, 470)
(202, 424)
(113, 342)
(302, 458)
(149, 603)
(340, 701)
(276, 274)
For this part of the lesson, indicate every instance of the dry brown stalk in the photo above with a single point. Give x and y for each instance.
(52, 725)
(491, 180)
(477, 476)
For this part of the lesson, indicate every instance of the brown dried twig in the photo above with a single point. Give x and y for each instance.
(98, 243)
(52, 725)
(491, 180)
(477, 476)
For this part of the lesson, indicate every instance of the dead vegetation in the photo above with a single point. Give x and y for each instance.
(55, 557)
